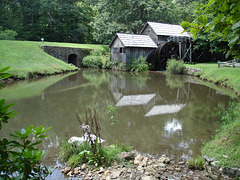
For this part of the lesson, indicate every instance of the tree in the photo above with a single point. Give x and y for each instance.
(220, 19)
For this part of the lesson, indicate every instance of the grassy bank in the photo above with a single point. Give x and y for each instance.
(27, 59)
(225, 146)
(225, 76)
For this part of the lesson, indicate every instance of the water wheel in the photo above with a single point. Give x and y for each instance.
(159, 57)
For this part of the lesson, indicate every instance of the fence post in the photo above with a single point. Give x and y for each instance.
(233, 64)
(218, 64)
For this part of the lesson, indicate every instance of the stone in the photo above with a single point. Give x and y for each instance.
(137, 162)
(161, 165)
(139, 157)
(76, 169)
(216, 163)
(181, 163)
(125, 155)
(69, 173)
(75, 172)
(66, 170)
(83, 167)
(147, 178)
(178, 169)
(116, 174)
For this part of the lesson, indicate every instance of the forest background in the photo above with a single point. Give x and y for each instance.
(87, 21)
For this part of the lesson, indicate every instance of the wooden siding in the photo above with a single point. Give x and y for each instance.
(149, 31)
(115, 51)
(135, 53)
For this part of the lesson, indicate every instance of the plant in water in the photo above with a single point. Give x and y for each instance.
(112, 111)
(175, 66)
(90, 150)
(20, 158)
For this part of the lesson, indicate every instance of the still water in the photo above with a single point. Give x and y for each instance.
(156, 114)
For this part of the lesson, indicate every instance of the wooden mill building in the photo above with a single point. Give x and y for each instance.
(127, 46)
(157, 42)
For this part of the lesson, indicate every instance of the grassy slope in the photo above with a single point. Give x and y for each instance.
(225, 146)
(26, 57)
(225, 76)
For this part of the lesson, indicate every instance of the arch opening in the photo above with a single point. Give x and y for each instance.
(72, 58)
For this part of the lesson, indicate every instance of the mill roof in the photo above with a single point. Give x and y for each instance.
(135, 40)
(162, 29)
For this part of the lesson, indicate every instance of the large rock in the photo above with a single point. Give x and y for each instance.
(125, 155)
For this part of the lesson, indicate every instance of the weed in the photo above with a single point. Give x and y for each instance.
(196, 163)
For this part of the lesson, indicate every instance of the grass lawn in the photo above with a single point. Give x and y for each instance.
(225, 146)
(27, 59)
(226, 76)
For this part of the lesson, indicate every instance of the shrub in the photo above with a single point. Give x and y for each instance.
(176, 66)
(97, 59)
(92, 61)
(20, 158)
(7, 34)
(137, 65)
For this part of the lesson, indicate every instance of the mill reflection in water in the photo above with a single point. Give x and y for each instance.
(152, 126)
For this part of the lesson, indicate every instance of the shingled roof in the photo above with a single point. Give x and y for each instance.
(135, 40)
(162, 29)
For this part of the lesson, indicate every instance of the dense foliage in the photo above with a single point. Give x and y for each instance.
(217, 22)
(175, 66)
(20, 158)
(137, 65)
(85, 21)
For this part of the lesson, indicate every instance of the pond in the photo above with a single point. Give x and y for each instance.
(157, 114)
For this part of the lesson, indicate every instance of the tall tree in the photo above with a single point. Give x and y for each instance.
(220, 20)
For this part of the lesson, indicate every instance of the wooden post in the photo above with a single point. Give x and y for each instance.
(218, 64)
(180, 50)
(233, 64)
(190, 53)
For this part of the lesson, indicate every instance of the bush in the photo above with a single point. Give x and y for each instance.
(7, 34)
(97, 59)
(92, 61)
(138, 65)
(20, 158)
(175, 66)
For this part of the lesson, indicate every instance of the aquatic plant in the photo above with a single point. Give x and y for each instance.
(91, 151)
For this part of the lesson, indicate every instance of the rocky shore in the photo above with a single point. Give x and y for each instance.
(138, 167)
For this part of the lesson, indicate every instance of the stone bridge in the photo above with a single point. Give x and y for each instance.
(67, 54)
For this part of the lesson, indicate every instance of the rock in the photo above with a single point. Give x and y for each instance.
(75, 172)
(137, 162)
(126, 155)
(69, 173)
(116, 174)
(106, 173)
(139, 158)
(66, 170)
(76, 169)
(83, 167)
(178, 169)
(161, 165)
(181, 163)
(147, 178)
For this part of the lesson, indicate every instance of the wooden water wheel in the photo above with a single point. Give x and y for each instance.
(165, 51)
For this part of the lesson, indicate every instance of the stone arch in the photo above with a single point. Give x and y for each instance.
(72, 58)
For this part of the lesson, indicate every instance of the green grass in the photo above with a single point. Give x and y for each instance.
(225, 76)
(226, 144)
(76, 154)
(27, 59)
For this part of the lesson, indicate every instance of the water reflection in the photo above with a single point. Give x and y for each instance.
(184, 104)
(173, 126)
